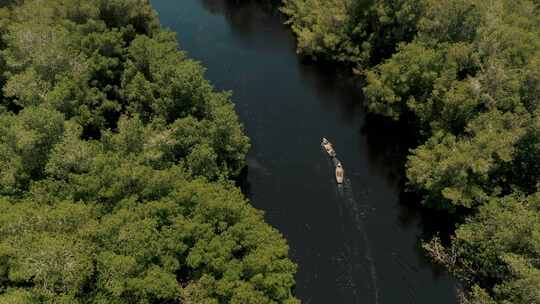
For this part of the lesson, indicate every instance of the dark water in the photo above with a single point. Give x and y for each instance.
(354, 244)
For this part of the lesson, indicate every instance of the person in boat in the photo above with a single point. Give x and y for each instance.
(332, 153)
(328, 147)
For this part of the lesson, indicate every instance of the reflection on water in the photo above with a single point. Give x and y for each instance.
(355, 244)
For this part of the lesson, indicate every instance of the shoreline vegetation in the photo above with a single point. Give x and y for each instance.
(466, 75)
(115, 163)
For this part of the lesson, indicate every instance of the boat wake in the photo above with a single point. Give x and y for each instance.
(357, 213)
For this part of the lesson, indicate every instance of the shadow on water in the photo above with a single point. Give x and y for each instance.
(411, 215)
(392, 159)
(356, 244)
(338, 91)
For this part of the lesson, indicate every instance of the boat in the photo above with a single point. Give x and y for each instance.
(339, 173)
(328, 147)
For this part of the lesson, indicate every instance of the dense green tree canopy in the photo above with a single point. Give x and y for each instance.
(115, 154)
(354, 32)
(188, 240)
(500, 245)
(471, 81)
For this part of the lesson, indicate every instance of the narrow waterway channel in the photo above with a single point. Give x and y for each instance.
(358, 244)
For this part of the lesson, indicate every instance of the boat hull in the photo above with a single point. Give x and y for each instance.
(339, 175)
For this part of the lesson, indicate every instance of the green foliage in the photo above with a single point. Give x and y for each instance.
(412, 70)
(322, 28)
(150, 252)
(114, 157)
(94, 73)
(25, 142)
(457, 86)
(465, 171)
(450, 21)
(351, 31)
(501, 246)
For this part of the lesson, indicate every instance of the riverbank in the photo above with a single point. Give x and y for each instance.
(465, 75)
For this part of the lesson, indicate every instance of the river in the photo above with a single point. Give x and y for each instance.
(359, 243)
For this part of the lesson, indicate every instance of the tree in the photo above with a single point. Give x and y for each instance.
(26, 140)
(149, 252)
(498, 246)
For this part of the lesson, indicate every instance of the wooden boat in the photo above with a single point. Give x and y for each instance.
(339, 173)
(328, 147)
